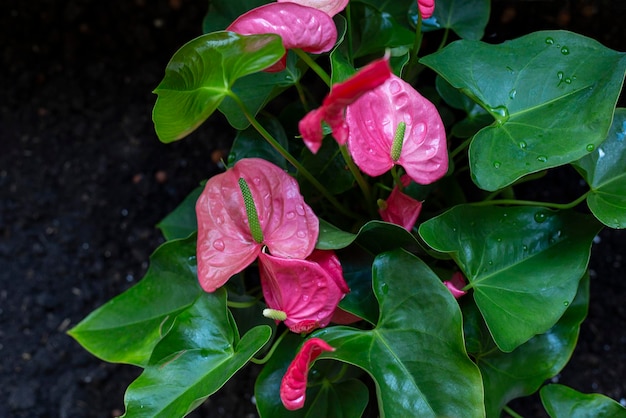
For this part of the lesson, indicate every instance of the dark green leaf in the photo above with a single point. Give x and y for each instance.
(249, 143)
(551, 93)
(333, 238)
(523, 263)
(181, 222)
(357, 270)
(416, 353)
(127, 328)
(564, 402)
(467, 18)
(327, 166)
(223, 12)
(603, 170)
(201, 74)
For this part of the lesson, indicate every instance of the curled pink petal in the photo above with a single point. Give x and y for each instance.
(334, 105)
(401, 209)
(373, 120)
(306, 291)
(225, 243)
(293, 385)
(427, 7)
(455, 284)
(330, 7)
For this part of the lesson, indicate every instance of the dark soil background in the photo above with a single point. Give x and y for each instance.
(83, 181)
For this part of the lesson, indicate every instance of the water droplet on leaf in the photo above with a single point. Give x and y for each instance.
(566, 303)
(542, 159)
(522, 145)
(540, 217)
(565, 50)
(512, 94)
(497, 164)
(549, 41)
(590, 147)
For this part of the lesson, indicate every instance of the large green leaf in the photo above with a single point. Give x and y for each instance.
(181, 222)
(507, 376)
(193, 361)
(325, 398)
(467, 18)
(605, 172)
(551, 93)
(415, 354)
(201, 74)
(564, 402)
(128, 327)
(357, 271)
(523, 263)
(328, 166)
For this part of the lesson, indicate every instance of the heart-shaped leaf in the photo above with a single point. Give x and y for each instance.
(603, 170)
(127, 328)
(193, 361)
(415, 354)
(563, 402)
(524, 263)
(507, 376)
(467, 18)
(552, 93)
(201, 74)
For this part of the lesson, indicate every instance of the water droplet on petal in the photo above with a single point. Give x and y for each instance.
(590, 147)
(320, 283)
(300, 209)
(290, 215)
(565, 50)
(305, 298)
(256, 180)
(301, 234)
(497, 164)
(549, 41)
(219, 245)
(219, 220)
(542, 159)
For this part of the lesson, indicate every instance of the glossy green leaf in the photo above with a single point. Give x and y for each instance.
(507, 376)
(523, 263)
(563, 402)
(467, 18)
(327, 166)
(222, 13)
(181, 222)
(477, 117)
(332, 238)
(249, 143)
(346, 397)
(552, 94)
(202, 73)
(398, 9)
(127, 328)
(604, 171)
(357, 271)
(415, 354)
(193, 361)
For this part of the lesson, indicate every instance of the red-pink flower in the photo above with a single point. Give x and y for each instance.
(307, 291)
(399, 208)
(226, 244)
(427, 7)
(456, 284)
(334, 105)
(293, 385)
(331, 7)
(391, 111)
(303, 27)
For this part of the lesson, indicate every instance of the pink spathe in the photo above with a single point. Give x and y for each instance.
(373, 120)
(400, 208)
(293, 384)
(225, 243)
(456, 284)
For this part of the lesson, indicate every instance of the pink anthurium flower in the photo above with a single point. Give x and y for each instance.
(427, 7)
(334, 105)
(299, 26)
(227, 244)
(307, 291)
(399, 208)
(293, 385)
(455, 284)
(394, 124)
(331, 7)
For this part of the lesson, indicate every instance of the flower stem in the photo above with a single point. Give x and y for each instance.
(460, 148)
(269, 353)
(549, 205)
(293, 161)
(241, 305)
(511, 412)
(356, 173)
(313, 65)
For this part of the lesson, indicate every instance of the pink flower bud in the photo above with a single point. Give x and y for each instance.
(455, 284)
(427, 7)
(293, 385)
(401, 209)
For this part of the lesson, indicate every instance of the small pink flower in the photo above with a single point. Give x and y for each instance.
(293, 385)
(455, 284)
(334, 105)
(331, 7)
(375, 120)
(399, 208)
(226, 244)
(303, 27)
(307, 291)
(427, 7)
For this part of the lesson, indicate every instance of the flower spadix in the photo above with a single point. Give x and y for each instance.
(331, 7)
(307, 291)
(394, 124)
(293, 385)
(334, 105)
(254, 204)
(299, 26)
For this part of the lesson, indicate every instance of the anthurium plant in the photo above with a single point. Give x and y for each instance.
(371, 242)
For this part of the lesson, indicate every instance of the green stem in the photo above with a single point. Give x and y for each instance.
(293, 161)
(533, 203)
(269, 353)
(241, 305)
(444, 40)
(349, 33)
(511, 412)
(460, 148)
(313, 65)
(358, 176)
